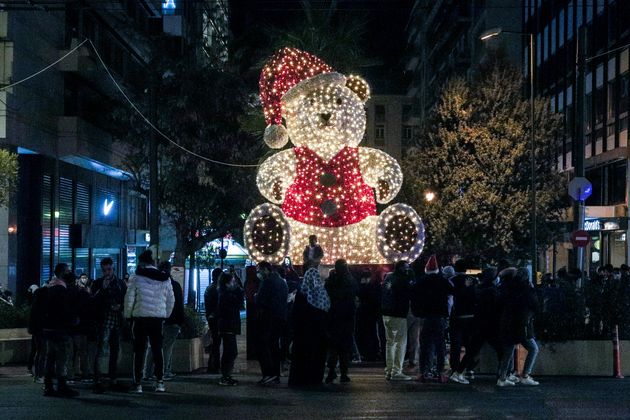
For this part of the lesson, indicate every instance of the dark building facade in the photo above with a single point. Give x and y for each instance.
(556, 25)
(75, 202)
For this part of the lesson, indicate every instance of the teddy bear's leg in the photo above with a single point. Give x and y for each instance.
(400, 233)
(267, 233)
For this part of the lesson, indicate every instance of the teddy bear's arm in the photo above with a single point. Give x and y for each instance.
(381, 172)
(276, 175)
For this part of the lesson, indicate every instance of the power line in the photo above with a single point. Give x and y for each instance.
(131, 103)
(157, 130)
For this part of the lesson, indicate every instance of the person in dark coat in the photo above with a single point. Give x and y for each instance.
(368, 317)
(395, 308)
(313, 253)
(430, 302)
(56, 309)
(211, 299)
(309, 319)
(462, 315)
(170, 331)
(518, 306)
(38, 344)
(271, 301)
(485, 326)
(342, 291)
(108, 295)
(228, 316)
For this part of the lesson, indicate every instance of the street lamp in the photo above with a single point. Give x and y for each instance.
(429, 196)
(490, 33)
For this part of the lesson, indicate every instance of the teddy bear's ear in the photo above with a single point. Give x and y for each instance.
(359, 86)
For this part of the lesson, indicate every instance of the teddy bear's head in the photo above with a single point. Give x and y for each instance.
(327, 116)
(322, 109)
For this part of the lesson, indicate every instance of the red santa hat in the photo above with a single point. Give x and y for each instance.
(288, 74)
(432, 265)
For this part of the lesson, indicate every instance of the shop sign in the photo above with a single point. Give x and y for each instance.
(592, 225)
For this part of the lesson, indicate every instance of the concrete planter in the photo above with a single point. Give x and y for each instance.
(579, 358)
(15, 345)
(188, 356)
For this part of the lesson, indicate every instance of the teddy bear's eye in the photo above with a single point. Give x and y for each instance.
(339, 101)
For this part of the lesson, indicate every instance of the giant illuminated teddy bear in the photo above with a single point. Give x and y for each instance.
(326, 184)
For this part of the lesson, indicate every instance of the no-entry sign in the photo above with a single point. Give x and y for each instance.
(580, 238)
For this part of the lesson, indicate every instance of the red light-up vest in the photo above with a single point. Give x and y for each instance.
(330, 193)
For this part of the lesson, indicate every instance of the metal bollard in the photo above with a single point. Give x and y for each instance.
(616, 354)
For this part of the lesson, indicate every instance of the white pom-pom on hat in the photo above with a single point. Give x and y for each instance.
(276, 136)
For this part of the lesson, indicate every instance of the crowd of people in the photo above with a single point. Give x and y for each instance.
(77, 322)
(426, 323)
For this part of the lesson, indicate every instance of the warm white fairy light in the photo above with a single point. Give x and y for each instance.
(326, 184)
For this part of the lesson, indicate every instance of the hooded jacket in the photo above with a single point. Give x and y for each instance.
(396, 294)
(149, 294)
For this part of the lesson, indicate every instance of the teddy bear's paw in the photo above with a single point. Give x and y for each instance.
(400, 233)
(267, 233)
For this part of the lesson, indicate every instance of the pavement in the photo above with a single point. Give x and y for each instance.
(368, 396)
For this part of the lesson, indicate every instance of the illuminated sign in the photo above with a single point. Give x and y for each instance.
(592, 225)
(107, 207)
(168, 7)
(606, 224)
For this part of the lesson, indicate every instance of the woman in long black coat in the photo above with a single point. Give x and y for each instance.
(341, 289)
(309, 321)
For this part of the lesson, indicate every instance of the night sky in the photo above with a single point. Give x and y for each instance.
(385, 41)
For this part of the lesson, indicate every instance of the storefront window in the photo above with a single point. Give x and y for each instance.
(617, 248)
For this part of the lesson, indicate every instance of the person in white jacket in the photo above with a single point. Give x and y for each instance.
(148, 302)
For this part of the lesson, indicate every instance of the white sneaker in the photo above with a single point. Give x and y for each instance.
(136, 389)
(459, 378)
(504, 383)
(513, 378)
(401, 377)
(528, 380)
(159, 387)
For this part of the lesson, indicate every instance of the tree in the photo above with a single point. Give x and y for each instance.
(475, 157)
(199, 108)
(8, 175)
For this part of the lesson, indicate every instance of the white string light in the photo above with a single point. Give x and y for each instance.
(327, 185)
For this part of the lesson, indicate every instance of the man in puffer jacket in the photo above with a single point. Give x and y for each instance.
(148, 302)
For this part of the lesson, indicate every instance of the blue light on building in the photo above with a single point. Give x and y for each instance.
(168, 7)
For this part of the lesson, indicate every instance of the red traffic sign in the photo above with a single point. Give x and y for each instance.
(580, 238)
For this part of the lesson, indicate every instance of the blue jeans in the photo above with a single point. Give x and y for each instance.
(432, 344)
(107, 350)
(508, 357)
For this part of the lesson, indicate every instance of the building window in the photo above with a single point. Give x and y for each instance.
(538, 49)
(589, 11)
(406, 112)
(379, 113)
(600, 7)
(553, 36)
(379, 134)
(570, 21)
(545, 46)
(579, 13)
(624, 92)
(561, 29)
(407, 132)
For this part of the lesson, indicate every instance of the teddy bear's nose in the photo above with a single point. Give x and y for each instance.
(325, 117)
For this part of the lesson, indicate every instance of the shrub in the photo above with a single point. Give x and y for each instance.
(14, 316)
(194, 324)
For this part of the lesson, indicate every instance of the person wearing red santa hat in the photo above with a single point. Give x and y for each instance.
(430, 298)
